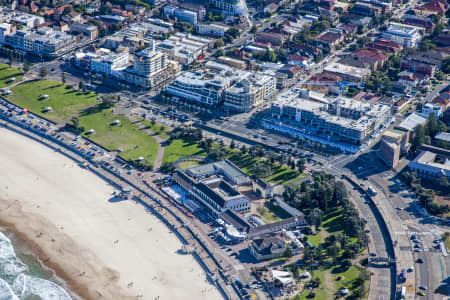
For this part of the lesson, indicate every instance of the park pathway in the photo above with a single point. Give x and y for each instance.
(159, 157)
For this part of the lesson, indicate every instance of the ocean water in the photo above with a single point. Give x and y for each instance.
(23, 278)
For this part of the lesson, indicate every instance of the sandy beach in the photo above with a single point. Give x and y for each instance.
(102, 249)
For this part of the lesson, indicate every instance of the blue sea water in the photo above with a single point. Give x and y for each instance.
(23, 279)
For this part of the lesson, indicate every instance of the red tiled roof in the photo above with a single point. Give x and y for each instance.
(325, 77)
(433, 6)
(329, 36)
(441, 101)
(375, 55)
(388, 43)
(296, 57)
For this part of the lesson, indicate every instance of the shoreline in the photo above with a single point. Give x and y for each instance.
(24, 246)
(111, 284)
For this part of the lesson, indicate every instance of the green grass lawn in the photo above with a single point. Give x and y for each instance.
(280, 174)
(63, 100)
(127, 137)
(189, 163)
(179, 148)
(7, 73)
(316, 239)
(158, 129)
(332, 280)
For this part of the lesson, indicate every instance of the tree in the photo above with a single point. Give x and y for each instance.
(332, 252)
(219, 43)
(63, 77)
(232, 145)
(81, 85)
(217, 154)
(315, 217)
(42, 72)
(254, 29)
(288, 252)
(262, 169)
(10, 58)
(26, 66)
(243, 149)
(419, 136)
(168, 167)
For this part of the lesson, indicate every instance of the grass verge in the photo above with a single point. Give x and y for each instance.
(63, 99)
(129, 139)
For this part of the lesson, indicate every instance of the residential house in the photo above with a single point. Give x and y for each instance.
(442, 40)
(408, 78)
(323, 83)
(274, 39)
(295, 59)
(406, 35)
(423, 22)
(430, 108)
(385, 45)
(433, 7)
(293, 71)
(331, 38)
(374, 59)
(349, 29)
(196, 8)
(423, 63)
(363, 9)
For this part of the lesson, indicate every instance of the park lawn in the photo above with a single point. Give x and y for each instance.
(132, 141)
(156, 129)
(323, 292)
(269, 217)
(280, 174)
(179, 148)
(329, 285)
(63, 99)
(189, 163)
(316, 239)
(6, 73)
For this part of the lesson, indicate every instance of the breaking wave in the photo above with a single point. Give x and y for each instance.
(16, 284)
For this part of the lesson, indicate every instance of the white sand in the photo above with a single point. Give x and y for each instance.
(42, 191)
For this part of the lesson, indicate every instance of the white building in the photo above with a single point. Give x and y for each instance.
(149, 68)
(110, 64)
(212, 29)
(181, 14)
(406, 35)
(28, 20)
(231, 7)
(240, 90)
(184, 48)
(342, 122)
(431, 108)
(5, 29)
(430, 165)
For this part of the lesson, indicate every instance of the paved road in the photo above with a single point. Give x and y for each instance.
(380, 285)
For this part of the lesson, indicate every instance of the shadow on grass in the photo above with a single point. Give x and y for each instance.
(339, 269)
